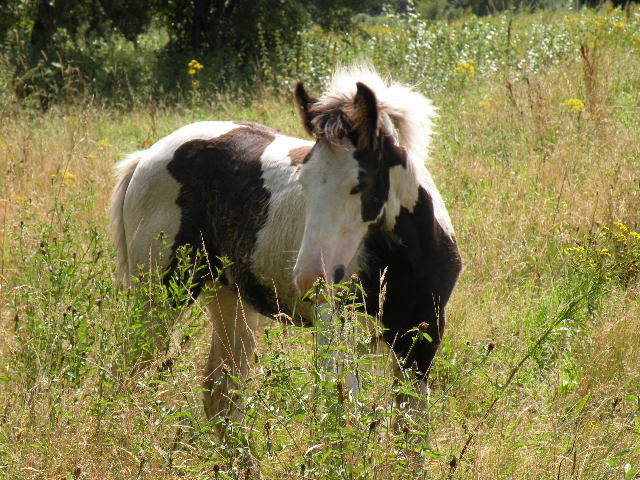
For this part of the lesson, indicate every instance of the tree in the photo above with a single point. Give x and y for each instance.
(205, 26)
(40, 20)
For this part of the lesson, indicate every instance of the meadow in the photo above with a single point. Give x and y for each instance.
(537, 155)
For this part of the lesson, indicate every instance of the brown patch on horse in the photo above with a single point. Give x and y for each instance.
(224, 205)
(299, 155)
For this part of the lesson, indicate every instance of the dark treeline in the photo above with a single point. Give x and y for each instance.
(54, 45)
(199, 26)
(202, 26)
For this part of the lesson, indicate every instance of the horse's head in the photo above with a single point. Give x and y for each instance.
(345, 178)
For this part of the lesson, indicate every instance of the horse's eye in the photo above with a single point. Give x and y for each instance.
(357, 189)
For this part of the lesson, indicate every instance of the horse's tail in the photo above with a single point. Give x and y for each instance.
(123, 173)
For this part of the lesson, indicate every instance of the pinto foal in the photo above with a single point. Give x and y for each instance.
(287, 211)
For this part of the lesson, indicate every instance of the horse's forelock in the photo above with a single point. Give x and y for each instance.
(330, 121)
(338, 119)
(402, 112)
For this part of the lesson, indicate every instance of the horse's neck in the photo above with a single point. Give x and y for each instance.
(403, 193)
(278, 241)
(405, 186)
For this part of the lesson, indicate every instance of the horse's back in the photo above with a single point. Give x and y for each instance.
(150, 215)
(228, 188)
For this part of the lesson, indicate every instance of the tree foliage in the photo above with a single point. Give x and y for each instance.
(196, 26)
(40, 20)
(451, 9)
(205, 26)
(53, 49)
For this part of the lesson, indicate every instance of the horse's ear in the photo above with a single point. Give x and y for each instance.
(305, 102)
(365, 116)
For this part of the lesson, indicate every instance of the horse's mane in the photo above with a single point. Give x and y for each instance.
(402, 112)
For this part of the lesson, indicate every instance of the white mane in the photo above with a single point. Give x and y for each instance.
(405, 112)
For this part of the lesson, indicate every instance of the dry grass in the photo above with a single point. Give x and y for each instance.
(524, 178)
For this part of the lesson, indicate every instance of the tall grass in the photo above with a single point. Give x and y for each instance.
(539, 373)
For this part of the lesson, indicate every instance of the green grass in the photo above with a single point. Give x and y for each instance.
(539, 373)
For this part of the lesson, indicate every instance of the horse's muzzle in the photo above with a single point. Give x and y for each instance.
(304, 283)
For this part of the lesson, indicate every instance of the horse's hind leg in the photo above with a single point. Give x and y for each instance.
(232, 345)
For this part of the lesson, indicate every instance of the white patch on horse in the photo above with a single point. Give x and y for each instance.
(149, 209)
(278, 241)
(333, 227)
(404, 193)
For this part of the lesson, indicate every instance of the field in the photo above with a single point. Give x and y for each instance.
(538, 158)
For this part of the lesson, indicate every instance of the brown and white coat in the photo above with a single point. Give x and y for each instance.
(286, 211)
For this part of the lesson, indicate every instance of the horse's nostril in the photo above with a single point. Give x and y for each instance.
(338, 273)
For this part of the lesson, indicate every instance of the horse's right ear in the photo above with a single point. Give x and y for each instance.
(305, 102)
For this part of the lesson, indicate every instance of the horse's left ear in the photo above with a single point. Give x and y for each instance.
(365, 116)
(305, 102)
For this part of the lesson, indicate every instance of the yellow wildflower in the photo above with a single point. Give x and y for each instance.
(604, 252)
(635, 236)
(621, 237)
(91, 156)
(573, 104)
(194, 67)
(485, 105)
(465, 67)
(621, 226)
(66, 177)
(20, 200)
(103, 143)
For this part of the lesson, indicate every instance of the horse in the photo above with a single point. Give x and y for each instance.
(286, 212)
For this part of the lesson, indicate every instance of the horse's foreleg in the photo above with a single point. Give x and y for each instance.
(325, 334)
(332, 360)
(335, 361)
(232, 345)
